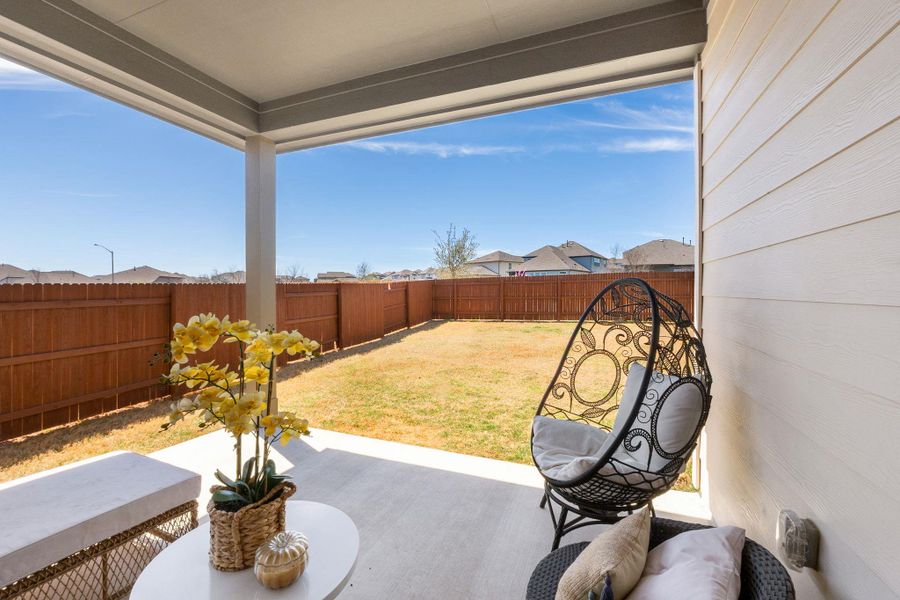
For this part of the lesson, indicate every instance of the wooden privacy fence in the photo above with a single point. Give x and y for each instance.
(552, 298)
(68, 352)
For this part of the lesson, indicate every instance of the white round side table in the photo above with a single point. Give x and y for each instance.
(182, 571)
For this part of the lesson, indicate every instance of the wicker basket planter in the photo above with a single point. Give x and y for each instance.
(235, 536)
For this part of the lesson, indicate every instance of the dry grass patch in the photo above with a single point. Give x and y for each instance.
(469, 387)
(459, 386)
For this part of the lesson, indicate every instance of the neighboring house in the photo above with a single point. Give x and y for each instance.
(409, 275)
(470, 270)
(290, 279)
(144, 274)
(550, 260)
(13, 274)
(594, 262)
(230, 277)
(335, 277)
(498, 262)
(660, 255)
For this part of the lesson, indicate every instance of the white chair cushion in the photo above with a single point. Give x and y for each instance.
(701, 565)
(53, 514)
(565, 450)
(677, 419)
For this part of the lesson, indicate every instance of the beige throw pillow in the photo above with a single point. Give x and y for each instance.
(619, 552)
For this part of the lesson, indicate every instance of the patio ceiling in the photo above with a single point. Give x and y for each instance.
(309, 73)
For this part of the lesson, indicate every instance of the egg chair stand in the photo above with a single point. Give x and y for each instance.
(633, 362)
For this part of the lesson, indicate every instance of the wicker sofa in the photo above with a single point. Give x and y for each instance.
(86, 530)
(762, 576)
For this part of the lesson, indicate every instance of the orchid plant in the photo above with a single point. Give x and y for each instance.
(240, 400)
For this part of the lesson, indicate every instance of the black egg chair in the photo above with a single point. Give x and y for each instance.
(624, 410)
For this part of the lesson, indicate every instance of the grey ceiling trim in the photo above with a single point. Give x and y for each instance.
(78, 29)
(547, 97)
(659, 27)
(63, 39)
(102, 85)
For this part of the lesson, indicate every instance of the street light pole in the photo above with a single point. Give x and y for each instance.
(112, 262)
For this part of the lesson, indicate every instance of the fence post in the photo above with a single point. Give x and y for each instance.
(558, 296)
(454, 301)
(502, 298)
(340, 318)
(406, 299)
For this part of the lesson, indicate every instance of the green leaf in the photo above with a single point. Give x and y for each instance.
(225, 480)
(228, 496)
(248, 469)
(244, 489)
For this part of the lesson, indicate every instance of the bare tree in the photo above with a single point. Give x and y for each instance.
(615, 250)
(293, 273)
(362, 270)
(635, 260)
(231, 276)
(452, 251)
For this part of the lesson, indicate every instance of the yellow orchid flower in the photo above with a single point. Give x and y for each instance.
(271, 423)
(257, 373)
(210, 323)
(179, 352)
(252, 404)
(239, 330)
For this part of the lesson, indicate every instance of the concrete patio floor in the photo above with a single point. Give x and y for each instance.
(431, 523)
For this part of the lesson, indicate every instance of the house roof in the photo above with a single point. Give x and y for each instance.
(660, 252)
(335, 275)
(13, 274)
(571, 249)
(496, 256)
(144, 274)
(550, 258)
(475, 270)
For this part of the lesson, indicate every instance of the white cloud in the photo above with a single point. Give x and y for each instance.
(65, 114)
(433, 148)
(655, 144)
(653, 118)
(17, 77)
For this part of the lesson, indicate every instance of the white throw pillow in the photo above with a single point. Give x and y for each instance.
(677, 421)
(701, 565)
(616, 557)
(565, 450)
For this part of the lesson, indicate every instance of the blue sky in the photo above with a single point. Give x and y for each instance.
(77, 169)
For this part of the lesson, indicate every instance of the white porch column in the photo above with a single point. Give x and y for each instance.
(260, 222)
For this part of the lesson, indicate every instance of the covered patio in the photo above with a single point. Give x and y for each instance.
(430, 521)
(797, 156)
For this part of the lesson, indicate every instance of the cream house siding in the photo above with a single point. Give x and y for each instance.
(801, 278)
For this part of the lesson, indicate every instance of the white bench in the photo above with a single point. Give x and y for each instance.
(86, 530)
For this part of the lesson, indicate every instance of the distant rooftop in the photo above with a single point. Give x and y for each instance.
(571, 249)
(496, 256)
(144, 274)
(14, 274)
(661, 252)
(550, 258)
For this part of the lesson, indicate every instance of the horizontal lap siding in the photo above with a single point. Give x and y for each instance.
(801, 278)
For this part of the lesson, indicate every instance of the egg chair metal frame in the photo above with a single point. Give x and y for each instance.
(628, 322)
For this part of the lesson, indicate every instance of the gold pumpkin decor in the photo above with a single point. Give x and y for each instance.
(281, 559)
